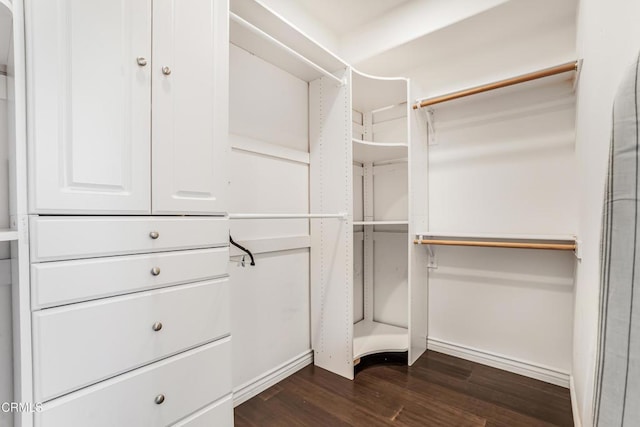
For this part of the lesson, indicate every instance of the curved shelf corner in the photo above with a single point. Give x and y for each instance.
(372, 152)
(371, 337)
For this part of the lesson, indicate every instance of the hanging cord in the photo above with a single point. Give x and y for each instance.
(242, 248)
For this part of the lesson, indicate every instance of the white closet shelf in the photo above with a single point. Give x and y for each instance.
(256, 29)
(380, 222)
(371, 337)
(372, 152)
(8, 235)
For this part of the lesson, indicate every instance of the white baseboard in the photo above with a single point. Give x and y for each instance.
(259, 384)
(577, 421)
(506, 363)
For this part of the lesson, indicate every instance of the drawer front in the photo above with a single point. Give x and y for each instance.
(80, 344)
(188, 382)
(60, 238)
(218, 414)
(64, 282)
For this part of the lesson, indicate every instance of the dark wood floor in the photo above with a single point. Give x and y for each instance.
(438, 390)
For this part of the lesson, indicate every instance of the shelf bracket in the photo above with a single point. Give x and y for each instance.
(578, 250)
(431, 130)
(432, 263)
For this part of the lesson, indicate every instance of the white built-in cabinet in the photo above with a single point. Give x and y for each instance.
(128, 111)
(128, 235)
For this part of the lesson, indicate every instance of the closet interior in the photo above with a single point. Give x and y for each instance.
(377, 220)
(501, 236)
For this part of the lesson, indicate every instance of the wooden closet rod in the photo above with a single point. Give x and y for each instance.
(517, 245)
(559, 69)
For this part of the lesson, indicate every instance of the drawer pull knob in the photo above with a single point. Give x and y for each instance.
(157, 326)
(141, 61)
(154, 235)
(159, 399)
(155, 271)
(166, 70)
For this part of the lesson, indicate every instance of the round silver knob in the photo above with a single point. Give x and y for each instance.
(159, 399)
(157, 326)
(166, 70)
(155, 271)
(141, 61)
(154, 235)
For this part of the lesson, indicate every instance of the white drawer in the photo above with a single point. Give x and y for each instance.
(64, 282)
(188, 382)
(64, 237)
(80, 344)
(218, 414)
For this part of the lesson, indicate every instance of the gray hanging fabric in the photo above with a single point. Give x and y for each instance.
(617, 398)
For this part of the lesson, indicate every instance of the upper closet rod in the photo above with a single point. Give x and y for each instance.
(559, 69)
(341, 215)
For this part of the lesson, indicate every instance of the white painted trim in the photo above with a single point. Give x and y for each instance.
(577, 421)
(271, 244)
(500, 361)
(251, 145)
(259, 384)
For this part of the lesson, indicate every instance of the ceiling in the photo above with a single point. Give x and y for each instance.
(547, 22)
(425, 37)
(343, 16)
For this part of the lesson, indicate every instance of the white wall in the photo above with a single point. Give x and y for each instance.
(512, 38)
(608, 40)
(504, 162)
(270, 301)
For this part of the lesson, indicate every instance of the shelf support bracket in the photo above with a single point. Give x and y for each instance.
(578, 250)
(431, 130)
(432, 263)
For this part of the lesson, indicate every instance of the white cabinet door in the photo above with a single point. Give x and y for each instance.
(90, 105)
(190, 103)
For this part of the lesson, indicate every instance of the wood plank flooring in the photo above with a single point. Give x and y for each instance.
(438, 390)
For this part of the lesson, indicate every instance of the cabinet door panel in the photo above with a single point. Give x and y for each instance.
(90, 105)
(190, 104)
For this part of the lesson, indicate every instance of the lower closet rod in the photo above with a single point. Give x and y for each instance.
(284, 216)
(516, 245)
